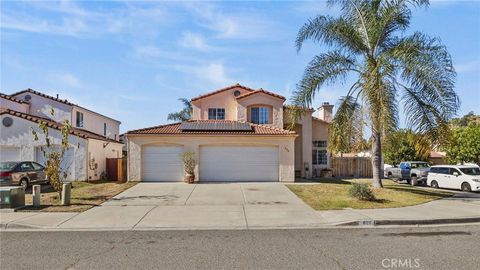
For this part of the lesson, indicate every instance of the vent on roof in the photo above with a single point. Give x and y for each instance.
(215, 126)
(236, 93)
(7, 121)
(27, 98)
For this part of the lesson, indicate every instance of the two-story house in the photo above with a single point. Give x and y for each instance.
(93, 138)
(237, 134)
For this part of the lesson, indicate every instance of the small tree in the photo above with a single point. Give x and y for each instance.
(183, 115)
(53, 154)
(464, 145)
(405, 145)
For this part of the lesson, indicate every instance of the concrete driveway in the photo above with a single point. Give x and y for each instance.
(208, 205)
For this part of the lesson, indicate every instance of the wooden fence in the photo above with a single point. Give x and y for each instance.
(117, 169)
(351, 167)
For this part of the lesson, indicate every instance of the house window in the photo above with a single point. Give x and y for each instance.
(260, 115)
(79, 120)
(216, 113)
(322, 144)
(319, 153)
(105, 129)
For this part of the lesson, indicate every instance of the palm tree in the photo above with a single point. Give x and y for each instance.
(368, 41)
(185, 114)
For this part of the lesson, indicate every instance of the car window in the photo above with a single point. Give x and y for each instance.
(420, 165)
(434, 170)
(453, 170)
(37, 166)
(471, 171)
(7, 166)
(441, 170)
(26, 166)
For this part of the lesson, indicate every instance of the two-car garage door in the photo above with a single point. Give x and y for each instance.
(238, 163)
(216, 163)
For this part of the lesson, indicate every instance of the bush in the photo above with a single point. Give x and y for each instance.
(361, 192)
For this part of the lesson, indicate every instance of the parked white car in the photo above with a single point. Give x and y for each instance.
(463, 177)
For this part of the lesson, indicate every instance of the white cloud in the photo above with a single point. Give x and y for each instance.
(465, 67)
(194, 41)
(238, 25)
(70, 80)
(214, 74)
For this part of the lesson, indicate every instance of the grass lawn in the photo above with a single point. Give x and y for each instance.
(85, 195)
(333, 194)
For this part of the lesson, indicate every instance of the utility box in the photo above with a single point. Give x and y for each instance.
(12, 197)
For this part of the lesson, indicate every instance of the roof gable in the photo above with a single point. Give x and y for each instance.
(29, 90)
(261, 91)
(7, 97)
(222, 90)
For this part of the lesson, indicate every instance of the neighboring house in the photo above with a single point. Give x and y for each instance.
(237, 134)
(94, 137)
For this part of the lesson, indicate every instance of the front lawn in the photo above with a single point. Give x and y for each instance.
(333, 194)
(85, 195)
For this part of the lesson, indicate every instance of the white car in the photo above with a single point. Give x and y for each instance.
(464, 177)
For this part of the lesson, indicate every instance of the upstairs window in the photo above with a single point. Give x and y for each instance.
(260, 115)
(216, 113)
(319, 143)
(79, 121)
(105, 129)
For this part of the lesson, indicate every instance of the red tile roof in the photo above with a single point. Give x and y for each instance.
(29, 90)
(12, 98)
(174, 129)
(223, 89)
(64, 101)
(261, 91)
(52, 124)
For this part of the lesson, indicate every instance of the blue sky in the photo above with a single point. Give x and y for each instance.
(132, 60)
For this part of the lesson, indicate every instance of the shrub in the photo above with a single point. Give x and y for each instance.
(361, 192)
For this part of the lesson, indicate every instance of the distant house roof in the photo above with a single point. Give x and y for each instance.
(434, 154)
(223, 89)
(5, 96)
(64, 101)
(261, 91)
(320, 120)
(219, 127)
(55, 125)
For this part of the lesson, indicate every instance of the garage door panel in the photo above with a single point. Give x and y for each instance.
(9, 153)
(162, 163)
(238, 163)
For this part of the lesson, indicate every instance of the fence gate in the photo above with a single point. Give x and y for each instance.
(352, 167)
(116, 169)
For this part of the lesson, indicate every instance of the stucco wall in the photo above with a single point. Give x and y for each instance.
(12, 105)
(261, 99)
(97, 154)
(225, 99)
(42, 107)
(192, 143)
(94, 122)
(19, 135)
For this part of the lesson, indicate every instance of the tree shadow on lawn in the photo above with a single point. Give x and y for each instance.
(418, 191)
(341, 181)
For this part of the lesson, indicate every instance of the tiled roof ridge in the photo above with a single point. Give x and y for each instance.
(5, 96)
(221, 90)
(56, 125)
(261, 91)
(152, 127)
(30, 90)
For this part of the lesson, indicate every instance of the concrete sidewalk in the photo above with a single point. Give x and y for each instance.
(230, 206)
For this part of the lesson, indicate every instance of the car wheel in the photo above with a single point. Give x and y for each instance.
(434, 184)
(24, 183)
(466, 187)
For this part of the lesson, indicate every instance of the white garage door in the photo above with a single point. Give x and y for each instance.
(162, 163)
(238, 163)
(9, 153)
(68, 162)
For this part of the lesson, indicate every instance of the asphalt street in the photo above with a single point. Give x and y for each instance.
(455, 247)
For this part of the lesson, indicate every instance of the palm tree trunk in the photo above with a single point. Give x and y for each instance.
(377, 159)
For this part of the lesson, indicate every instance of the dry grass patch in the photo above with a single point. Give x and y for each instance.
(85, 195)
(333, 194)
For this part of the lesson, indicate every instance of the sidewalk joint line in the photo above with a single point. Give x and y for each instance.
(194, 187)
(72, 217)
(143, 217)
(243, 206)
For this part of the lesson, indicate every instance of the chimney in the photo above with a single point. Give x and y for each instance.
(325, 112)
(57, 96)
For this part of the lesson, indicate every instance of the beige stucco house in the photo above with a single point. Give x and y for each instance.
(237, 134)
(93, 138)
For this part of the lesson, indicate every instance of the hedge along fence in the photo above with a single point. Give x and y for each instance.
(352, 167)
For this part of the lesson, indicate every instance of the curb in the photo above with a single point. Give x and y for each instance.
(411, 222)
